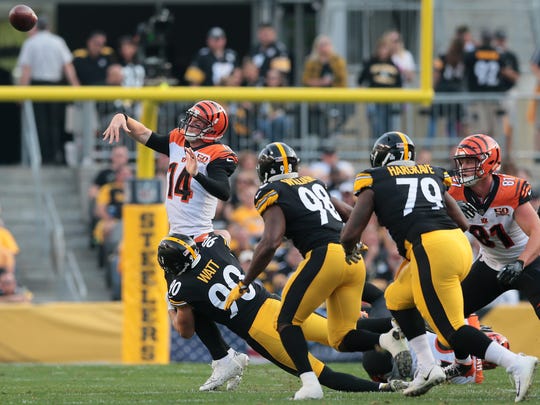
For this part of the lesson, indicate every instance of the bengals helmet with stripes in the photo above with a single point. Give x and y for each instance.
(390, 147)
(176, 254)
(206, 120)
(276, 158)
(485, 152)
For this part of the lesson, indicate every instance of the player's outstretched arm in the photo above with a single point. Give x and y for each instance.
(132, 127)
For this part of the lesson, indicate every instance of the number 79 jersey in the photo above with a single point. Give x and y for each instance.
(311, 218)
(206, 288)
(409, 199)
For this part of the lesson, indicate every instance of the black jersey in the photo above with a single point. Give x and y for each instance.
(311, 218)
(483, 67)
(408, 199)
(206, 287)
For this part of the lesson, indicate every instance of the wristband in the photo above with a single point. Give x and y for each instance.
(126, 117)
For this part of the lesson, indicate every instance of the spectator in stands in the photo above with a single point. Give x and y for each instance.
(10, 291)
(324, 67)
(509, 77)
(274, 122)
(108, 210)
(9, 249)
(250, 73)
(380, 72)
(463, 32)
(533, 113)
(331, 169)
(91, 63)
(245, 214)
(119, 156)
(45, 60)
(269, 53)
(401, 57)
(482, 67)
(448, 77)
(133, 71)
(213, 62)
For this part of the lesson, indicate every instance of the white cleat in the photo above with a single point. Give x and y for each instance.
(424, 380)
(224, 370)
(522, 372)
(395, 343)
(234, 382)
(310, 391)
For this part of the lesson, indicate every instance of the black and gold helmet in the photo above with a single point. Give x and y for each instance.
(276, 158)
(176, 254)
(390, 147)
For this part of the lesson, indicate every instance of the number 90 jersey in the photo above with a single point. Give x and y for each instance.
(409, 199)
(206, 287)
(311, 218)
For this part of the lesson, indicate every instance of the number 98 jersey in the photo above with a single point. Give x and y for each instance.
(409, 199)
(206, 287)
(311, 218)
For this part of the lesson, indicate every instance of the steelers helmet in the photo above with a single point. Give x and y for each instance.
(390, 147)
(176, 254)
(276, 158)
(486, 153)
(206, 120)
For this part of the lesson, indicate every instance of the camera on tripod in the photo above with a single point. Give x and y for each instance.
(154, 35)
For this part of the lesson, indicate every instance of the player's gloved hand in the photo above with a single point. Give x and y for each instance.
(468, 209)
(235, 294)
(510, 273)
(169, 305)
(356, 255)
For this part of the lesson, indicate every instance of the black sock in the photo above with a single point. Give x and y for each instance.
(211, 337)
(359, 341)
(410, 321)
(345, 382)
(295, 344)
(379, 325)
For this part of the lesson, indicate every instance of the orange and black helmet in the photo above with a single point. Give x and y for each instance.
(486, 153)
(206, 120)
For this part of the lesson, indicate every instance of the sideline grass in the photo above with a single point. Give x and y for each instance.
(178, 383)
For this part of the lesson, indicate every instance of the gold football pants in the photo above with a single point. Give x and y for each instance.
(431, 281)
(325, 276)
(266, 339)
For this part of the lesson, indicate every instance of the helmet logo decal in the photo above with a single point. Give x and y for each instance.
(285, 167)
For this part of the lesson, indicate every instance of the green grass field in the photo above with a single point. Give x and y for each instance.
(179, 383)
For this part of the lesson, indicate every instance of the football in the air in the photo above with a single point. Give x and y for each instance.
(22, 18)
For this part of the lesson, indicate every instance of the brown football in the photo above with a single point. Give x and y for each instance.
(22, 18)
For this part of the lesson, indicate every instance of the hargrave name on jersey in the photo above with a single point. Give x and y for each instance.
(402, 170)
(208, 272)
(298, 181)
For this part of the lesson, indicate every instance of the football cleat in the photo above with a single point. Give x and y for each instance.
(424, 380)
(224, 370)
(394, 386)
(395, 343)
(234, 382)
(522, 372)
(458, 370)
(309, 391)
